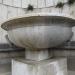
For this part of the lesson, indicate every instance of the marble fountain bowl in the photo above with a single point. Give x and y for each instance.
(41, 30)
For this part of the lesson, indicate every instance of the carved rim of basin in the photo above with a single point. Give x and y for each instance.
(30, 18)
(54, 33)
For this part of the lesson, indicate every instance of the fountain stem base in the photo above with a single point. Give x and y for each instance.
(56, 66)
(38, 55)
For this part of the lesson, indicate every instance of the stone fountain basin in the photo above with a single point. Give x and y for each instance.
(41, 30)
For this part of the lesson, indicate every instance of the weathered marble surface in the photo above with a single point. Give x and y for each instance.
(56, 66)
(38, 55)
(40, 30)
(14, 8)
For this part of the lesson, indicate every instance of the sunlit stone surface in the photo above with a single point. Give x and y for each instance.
(45, 67)
(42, 30)
(37, 33)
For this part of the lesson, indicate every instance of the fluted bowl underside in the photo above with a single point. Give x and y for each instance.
(40, 36)
(37, 32)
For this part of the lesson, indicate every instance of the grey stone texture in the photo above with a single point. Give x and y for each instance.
(56, 66)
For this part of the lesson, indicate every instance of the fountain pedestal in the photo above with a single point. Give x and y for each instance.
(39, 64)
(39, 31)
